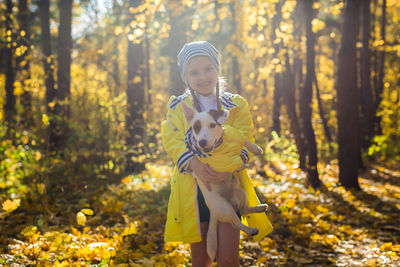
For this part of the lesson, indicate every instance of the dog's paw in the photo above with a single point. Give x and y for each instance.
(254, 231)
(262, 207)
(259, 151)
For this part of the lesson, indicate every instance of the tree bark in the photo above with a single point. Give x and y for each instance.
(367, 101)
(276, 111)
(290, 101)
(63, 91)
(48, 64)
(181, 24)
(22, 61)
(322, 113)
(381, 68)
(347, 99)
(9, 106)
(136, 100)
(306, 99)
(237, 83)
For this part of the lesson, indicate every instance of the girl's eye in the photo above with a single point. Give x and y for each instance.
(212, 125)
(194, 73)
(208, 69)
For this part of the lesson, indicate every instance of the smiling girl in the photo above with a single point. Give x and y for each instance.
(188, 216)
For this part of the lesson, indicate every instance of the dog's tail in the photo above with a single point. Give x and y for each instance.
(212, 242)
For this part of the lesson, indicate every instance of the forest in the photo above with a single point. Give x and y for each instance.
(84, 86)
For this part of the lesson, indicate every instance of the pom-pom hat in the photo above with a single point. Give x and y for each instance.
(194, 49)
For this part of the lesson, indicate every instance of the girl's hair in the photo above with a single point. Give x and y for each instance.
(196, 103)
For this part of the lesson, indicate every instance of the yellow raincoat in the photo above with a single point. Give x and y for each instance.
(183, 222)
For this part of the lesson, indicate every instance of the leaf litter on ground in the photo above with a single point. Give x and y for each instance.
(123, 225)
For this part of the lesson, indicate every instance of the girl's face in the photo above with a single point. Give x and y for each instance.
(202, 75)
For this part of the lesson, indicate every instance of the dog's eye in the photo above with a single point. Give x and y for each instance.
(212, 125)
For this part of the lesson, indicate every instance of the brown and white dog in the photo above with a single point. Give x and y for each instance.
(224, 200)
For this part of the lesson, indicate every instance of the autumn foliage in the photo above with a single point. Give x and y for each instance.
(84, 180)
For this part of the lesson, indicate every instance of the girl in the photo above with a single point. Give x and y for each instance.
(188, 215)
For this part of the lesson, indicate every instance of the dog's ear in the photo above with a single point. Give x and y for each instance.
(188, 112)
(219, 116)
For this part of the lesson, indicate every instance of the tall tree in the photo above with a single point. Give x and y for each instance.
(22, 61)
(9, 107)
(48, 63)
(234, 40)
(276, 110)
(289, 98)
(347, 98)
(381, 66)
(367, 101)
(135, 97)
(63, 91)
(180, 19)
(306, 98)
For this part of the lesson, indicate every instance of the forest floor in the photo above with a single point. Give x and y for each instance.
(122, 224)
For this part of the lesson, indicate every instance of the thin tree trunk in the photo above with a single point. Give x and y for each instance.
(181, 24)
(23, 63)
(367, 101)
(9, 106)
(306, 99)
(322, 113)
(48, 64)
(64, 73)
(276, 111)
(381, 67)
(234, 35)
(217, 30)
(347, 99)
(289, 98)
(136, 99)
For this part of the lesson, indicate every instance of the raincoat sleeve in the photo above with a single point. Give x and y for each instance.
(244, 123)
(173, 137)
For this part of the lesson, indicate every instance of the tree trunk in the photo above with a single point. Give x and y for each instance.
(276, 111)
(9, 106)
(48, 64)
(181, 24)
(63, 91)
(322, 113)
(289, 98)
(306, 99)
(217, 30)
(234, 40)
(23, 63)
(367, 101)
(381, 67)
(136, 100)
(347, 99)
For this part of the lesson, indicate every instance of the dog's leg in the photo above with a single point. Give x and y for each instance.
(253, 148)
(257, 209)
(212, 241)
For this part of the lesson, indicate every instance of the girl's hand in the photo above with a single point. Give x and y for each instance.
(207, 174)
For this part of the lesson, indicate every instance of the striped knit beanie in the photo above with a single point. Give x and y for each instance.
(194, 49)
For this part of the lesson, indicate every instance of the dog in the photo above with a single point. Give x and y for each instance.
(225, 199)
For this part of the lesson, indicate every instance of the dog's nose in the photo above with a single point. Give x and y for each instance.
(202, 143)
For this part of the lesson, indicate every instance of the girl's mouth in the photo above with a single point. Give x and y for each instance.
(204, 84)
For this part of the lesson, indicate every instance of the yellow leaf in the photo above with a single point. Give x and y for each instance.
(126, 180)
(130, 230)
(87, 211)
(41, 188)
(137, 79)
(81, 218)
(11, 205)
(45, 119)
